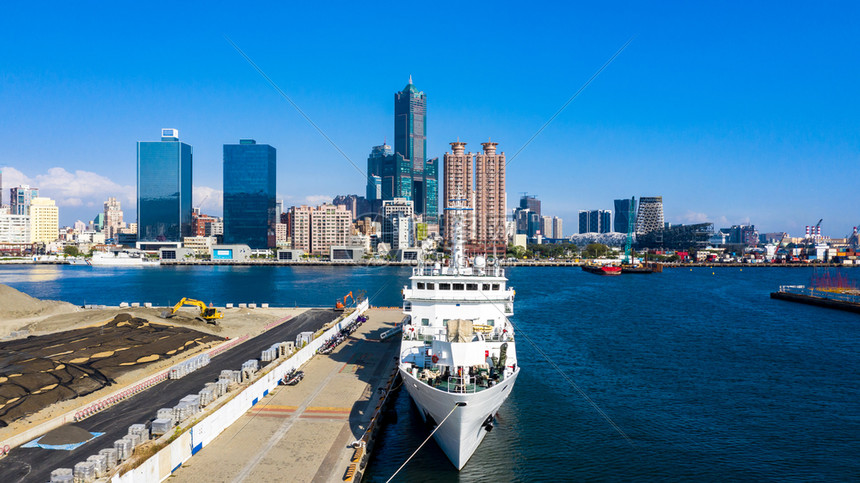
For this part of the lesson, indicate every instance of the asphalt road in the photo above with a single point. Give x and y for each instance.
(36, 464)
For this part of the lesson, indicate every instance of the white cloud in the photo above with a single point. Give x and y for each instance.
(72, 189)
(316, 200)
(209, 200)
(693, 217)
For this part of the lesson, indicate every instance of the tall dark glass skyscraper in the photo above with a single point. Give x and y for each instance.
(410, 142)
(249, 194)
(624, 214)
(163, 189)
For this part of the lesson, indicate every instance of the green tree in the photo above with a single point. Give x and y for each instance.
(595, 250)
(71, 251)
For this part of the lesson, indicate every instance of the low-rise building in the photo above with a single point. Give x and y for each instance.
(201, 245)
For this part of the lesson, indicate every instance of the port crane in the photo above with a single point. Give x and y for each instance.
(208, 314)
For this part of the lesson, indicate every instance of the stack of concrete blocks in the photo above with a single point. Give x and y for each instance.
(285, 349)
(206, 395)
(229, 378)
(183, 369)
(249, 368)
(63, 475)
(162, 426)
(166, 413)
(270, 354)
(135, 304)
(304, 338)
(124, 449)
(100, 464)
(252, 306)
(243, 306)
(141, 430)
(110, 455)
(85, 472)
(135, 439)
(264, 306)
(229, 306)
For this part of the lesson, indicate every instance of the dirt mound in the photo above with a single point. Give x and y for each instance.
(68, 434)
(38, 371)
(16, 304)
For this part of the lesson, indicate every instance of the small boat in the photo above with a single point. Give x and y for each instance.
(602, 269)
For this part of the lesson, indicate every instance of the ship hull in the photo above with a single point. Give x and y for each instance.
(463, 431)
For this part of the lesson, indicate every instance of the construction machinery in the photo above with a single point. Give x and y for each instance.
(208, 314)
(342, 305)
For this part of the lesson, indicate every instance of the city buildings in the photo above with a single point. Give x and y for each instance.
(650, 215)
(393, 214)
(112, 218)
(15, 229)
(531, 203)
(163, 190)
(20, 197)
(458, 166)
(44, 220)
(546, 226)
(376, 164)
(595, 221)
(250, 171)
(557, 231)
(316, 230)
(358, 206)
(490, 198)
(624, 214)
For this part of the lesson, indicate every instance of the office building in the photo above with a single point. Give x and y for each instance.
(20, 197)
(557, 231)
(625, 214)
(650, 215)
(44, 220)
(398, 206)
(490, 200)
(389, 175)
(99, 222)
(595, 221)
(358, 206)
(546, 226)
(112, 218)
(410, 141)
(163, 190)
(402, 231)
(530, 203)
(376, 161)
(250, 171)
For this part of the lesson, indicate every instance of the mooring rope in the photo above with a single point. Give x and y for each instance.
(425, 441)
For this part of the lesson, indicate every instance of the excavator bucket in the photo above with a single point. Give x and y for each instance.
(167, 314)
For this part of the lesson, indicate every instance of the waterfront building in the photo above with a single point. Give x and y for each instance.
(650, 215)
(402, 231)
(595, 221)
(678, 237)
(557, 231)
(163, 189)
(398, 206)
(20, 197)
(605, 221)
(250, 171)
(583, 221)
(44, 220)
(316, 230)
(15, 229)
(624, 214)
(489, 200)
(201, 245)
(112, 217)
(458, 165)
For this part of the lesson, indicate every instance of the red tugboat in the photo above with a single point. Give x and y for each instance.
(602, 269)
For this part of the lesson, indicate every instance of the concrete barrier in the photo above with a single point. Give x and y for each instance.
(167, 460)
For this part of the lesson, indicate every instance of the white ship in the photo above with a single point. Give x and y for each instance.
(458, 358)
(121, 259)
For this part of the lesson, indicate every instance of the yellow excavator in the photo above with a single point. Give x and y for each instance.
(208, 314)
(339, 306)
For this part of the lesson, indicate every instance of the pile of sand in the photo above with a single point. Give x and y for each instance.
(15, 304)
(68, 434)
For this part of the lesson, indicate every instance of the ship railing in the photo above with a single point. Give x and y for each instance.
(825, 294)
(461, 385)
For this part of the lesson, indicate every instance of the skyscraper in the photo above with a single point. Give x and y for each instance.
(557, 231)
(44, 224)
(410, 141)
(163, 189)
(650, 215)
(490, 200)
(19, 199)
(595, 221)
(113, 218)
(624, 214)
(458, 185)
(379, 155)
(249, 194)
(530, 202)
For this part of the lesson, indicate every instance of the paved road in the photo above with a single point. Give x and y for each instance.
(36, 464)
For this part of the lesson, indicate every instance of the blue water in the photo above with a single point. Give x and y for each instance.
(705, 377)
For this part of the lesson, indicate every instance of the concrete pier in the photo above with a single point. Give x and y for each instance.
(303, 433)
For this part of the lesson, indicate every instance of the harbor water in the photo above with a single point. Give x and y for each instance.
(699, 374)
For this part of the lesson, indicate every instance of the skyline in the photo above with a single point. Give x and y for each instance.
(746, 114)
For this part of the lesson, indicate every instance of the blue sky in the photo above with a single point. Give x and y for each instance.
(732, 112)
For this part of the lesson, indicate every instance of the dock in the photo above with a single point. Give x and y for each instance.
(820, 298)
(306, 432)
